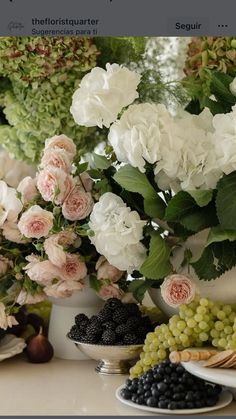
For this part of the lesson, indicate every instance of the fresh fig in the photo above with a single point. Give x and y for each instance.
(39, 349)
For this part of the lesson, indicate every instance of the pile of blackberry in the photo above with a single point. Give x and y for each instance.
(115, 324)
(170, 386)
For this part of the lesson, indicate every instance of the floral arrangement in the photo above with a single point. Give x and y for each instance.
(45, 250)
(38, 76)
(162, 179)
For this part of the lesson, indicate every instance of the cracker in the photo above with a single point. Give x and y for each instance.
(219, 358)
(230, 362)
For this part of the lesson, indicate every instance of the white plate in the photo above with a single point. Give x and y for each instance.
(222, 376)
(225, 399)
(10, 346)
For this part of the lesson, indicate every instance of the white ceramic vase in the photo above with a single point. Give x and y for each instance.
(220, 289)
(62, 317)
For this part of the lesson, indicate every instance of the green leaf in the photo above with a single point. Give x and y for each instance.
(101, 162)
(138, 287)
(202, 198)
(82, 167)
(154, 206)
(131, 179)
(197, 221)
(205, 267)
(226, 201)
(180, 205)
(220, 87)
(157, 265)
(94, 174)
(94, 283)
(217, 234)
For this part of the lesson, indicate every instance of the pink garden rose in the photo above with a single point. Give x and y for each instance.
(42, 272)
(53, 246)
(25, 298)
(110, 291)
(62, 142)
(54, 184)
(57, 158)
(107, 271)
(74, 269)
(178, 289)
(6, 320)
(86, 181)
(63, 289)
(28, 190)
(78, 204)
(35, 222)
(12, 233)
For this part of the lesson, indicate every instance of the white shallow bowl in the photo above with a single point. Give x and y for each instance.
(10, 346)
(223, 376)
(225, 399)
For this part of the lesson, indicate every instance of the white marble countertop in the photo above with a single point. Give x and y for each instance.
(64, 387)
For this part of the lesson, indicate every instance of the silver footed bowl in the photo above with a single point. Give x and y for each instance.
(113, 359)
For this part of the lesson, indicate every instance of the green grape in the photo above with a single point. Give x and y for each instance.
(215, 333)
(204, 302)
(191, 323)
(161, 354)
(201, 310)
(171, 341)
(219, 325)
(203, 336)
(222, 343)
(203, 325)
(188, 331)
(227, 309)
(181, 325)
(198, 317)
(221, 315)
(215, 342)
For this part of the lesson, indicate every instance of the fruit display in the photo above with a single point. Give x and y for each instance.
(115, 324)
(170, 386)
(200, 323)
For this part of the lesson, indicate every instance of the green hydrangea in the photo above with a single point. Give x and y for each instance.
(38, 76)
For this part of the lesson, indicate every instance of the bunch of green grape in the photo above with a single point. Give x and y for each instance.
(202, 322)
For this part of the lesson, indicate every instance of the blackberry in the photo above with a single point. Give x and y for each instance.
(82, 325)
(104, 315)
(89, 339)
(93, 318)
(113, 304)
(94, 329)
(122, 329)
(133, 322)
(130, 339)
(110, 325)
(133, 309)
(76, 335)
(109, 337)
(81, 318)
(120, 315)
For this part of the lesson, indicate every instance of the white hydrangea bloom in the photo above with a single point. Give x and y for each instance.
(103, 94)
(139, 134)
(225, 140)
(189, 161)
(117, 233)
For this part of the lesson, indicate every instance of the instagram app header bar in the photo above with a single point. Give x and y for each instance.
(117, 18)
